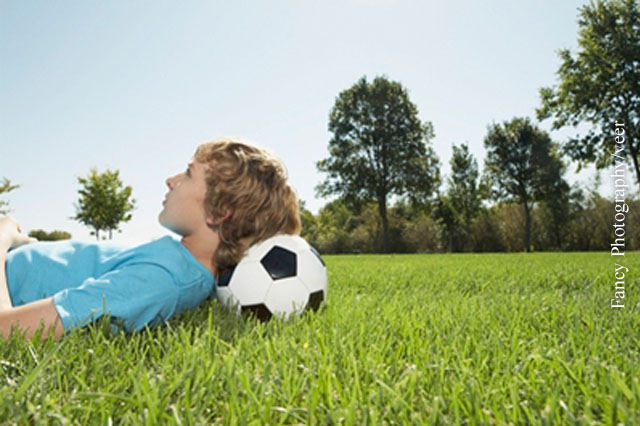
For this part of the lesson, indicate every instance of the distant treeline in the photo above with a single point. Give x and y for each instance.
(586, 224)
(380, 148)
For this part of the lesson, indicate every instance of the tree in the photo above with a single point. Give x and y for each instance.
(465, 193)
(485, 231)
(562, 203)
(419, 232)
(379, 148)
(308, 224)
(522, 165)
(446, 216)
(590, 229)
(6, 186)
(601, 85)
(103, 203)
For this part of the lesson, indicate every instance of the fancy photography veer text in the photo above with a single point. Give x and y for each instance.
(620, 187)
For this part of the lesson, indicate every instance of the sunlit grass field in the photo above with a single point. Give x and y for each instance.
(404, 339)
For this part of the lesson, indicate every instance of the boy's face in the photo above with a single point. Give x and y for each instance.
(183, 211)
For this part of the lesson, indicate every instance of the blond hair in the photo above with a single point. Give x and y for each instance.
(252, 183)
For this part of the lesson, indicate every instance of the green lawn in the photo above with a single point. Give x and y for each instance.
(422, 339)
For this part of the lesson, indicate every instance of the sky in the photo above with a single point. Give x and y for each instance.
(137, 85)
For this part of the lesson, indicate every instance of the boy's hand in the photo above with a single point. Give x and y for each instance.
(11, 235)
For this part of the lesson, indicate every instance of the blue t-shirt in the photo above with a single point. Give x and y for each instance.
(141, 285)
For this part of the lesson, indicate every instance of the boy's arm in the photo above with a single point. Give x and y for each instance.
(30, 316)
(11, 236)
(5, 299)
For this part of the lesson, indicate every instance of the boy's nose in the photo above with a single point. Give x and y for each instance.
(174, 180)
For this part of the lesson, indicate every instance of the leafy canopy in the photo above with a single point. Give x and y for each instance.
(103, 203)
(5, 187)
(600, 84)
(522, 162)
(379, 145)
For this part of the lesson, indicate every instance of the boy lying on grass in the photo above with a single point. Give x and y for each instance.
(231, 196)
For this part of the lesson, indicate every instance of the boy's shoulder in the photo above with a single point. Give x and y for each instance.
(156, 244)
(170, 254)
(164, 249)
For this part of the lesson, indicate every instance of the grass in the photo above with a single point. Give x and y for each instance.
(404, 339)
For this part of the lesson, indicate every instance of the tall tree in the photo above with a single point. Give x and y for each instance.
(465, 191)
(444, 213)
(379, 148)
(6, 186)
(560, 199)
(103, 203)
(522, 165)
(600, 85)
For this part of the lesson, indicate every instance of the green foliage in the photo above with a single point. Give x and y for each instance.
(419, 235)
(462, 202)
(379, 148)
(486, 235)
(42, 235)
(466, 191)
(591, 229)
(308, 223)
(6, 186)
(447, 216)
(519, 160)
(522, 165)
(103, 203)
(599, 85)
(333, 225)
(403, 339)
(586, 225)
(338, 229)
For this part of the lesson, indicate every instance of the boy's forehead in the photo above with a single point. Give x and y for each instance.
(195, 164)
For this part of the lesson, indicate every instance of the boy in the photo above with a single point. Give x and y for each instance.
(231, 196)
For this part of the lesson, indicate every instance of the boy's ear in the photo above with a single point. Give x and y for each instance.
(213, 221)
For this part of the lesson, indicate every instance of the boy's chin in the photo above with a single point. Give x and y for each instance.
(170, 227)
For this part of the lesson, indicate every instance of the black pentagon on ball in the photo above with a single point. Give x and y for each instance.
(226, 277)
(280, 263)
(260, 311)
(315, 299)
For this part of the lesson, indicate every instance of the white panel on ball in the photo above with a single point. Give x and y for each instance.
(286, 294)
(314, 273)
(250, 283)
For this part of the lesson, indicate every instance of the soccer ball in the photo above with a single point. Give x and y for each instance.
(277, 276)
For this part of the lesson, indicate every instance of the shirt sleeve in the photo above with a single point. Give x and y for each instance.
(140, 294)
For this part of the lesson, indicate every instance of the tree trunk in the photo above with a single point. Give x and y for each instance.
(97, 234)
(559, 237)
(110, 233)
(527, 228)
(382, 207)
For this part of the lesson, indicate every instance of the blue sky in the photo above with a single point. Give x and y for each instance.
(137, 85)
